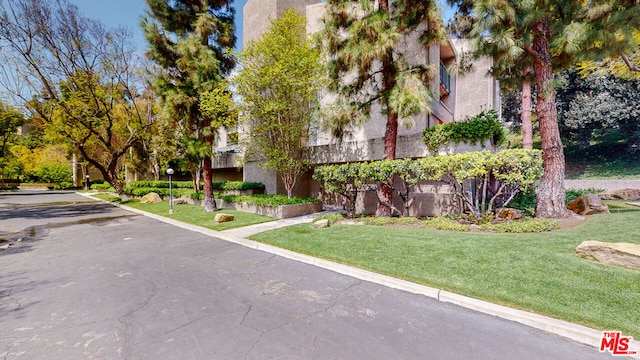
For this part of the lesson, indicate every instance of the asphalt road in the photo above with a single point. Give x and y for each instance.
(91, 281)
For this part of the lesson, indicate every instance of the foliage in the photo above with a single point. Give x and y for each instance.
(572, 194)
(104, 187)
(484, 126)
(279, 85)
(367, 66)
(608, 158)
(10, 120)
(54, 173)
(547, 37)
(481, 180)
(241, 185)
(625, 66)
(222, 185)
(266, 200)
(164, 192)
(80, 81)
(523, 226)
(590, 107)
(190, 42)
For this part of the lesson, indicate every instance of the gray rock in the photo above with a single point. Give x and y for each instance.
(222, 217)
(150, 198)
(622, 254)
(620, 194)
(182, 200)
(320, 224)
(588, 204)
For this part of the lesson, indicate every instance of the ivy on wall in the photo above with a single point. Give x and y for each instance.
(484, 126)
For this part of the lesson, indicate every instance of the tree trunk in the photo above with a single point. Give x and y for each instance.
(207, 174)
(527, 127)
(551, 193)
(385, 193)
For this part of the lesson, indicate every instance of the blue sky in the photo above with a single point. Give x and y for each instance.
(128, 13)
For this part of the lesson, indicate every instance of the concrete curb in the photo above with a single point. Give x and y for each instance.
(575, 332)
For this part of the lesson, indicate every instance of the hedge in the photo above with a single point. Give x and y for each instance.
(482, 180)
(484, 126)
(223, 185)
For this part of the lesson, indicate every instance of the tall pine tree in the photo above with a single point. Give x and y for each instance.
(552, 36)
(190, 41)
(363, 39)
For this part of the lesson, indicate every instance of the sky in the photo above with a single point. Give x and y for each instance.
(128, 13)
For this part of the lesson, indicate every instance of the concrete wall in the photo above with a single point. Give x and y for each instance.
(257, 15)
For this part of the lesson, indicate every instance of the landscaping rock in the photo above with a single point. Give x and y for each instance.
(622, 254)
(222, 217)
(620, 194)
(509, 214)
(588, 204)
(182, 200)
(320, 224)
(150, 198)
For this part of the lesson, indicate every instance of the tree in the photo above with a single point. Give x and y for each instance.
(279, 85)
(552, 36)
(10, 120)
(366, 67)
(596, 105)
(190, 41)
(626, 66)
(81, 79)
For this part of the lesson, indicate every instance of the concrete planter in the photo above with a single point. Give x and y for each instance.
(280, 212)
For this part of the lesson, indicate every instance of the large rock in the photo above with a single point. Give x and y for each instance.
(622, 254)
(509, 214)
(182, 200)
(620, 194)
(588, 204)
(320, 224)
(222, 217)
(150, 198)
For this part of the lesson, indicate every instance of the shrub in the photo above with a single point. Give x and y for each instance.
(333, 218)
(266, 200)
(54, 173)
(523, 226)
(476, 129)
(573, 194)
(445, 223)
(241, 185)
(105, 186)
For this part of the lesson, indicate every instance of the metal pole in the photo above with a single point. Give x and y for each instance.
(170, 196)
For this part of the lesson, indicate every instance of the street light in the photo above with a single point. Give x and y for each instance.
(86, 182)
(170, 172)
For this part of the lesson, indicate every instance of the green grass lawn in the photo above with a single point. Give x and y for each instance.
(193, 214)
(608, 160)
(536, 272)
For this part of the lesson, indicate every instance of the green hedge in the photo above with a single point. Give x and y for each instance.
(482, 180)
(164, 192)
(266, 200)
(479, 128)
(223, 185)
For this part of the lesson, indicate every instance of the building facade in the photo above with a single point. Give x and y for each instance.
(459, 96)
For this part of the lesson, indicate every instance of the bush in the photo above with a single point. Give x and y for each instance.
(573, 194)
(445, 223)
(476, 129)
(241, 185)
(266, 200)
(105, 186)
(523, 226)
(161, 184)
(54, 173)
(333, 218)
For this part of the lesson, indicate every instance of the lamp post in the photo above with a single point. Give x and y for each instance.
(170, 172)
(86, 182)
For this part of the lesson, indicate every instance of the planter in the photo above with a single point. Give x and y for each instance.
(280, 212)
(243, 192)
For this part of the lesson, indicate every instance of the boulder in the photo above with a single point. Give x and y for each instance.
(150, 198)
(509, 214)
(320, 224)
(588, 204)
(622, 254)
(222, 217)
(182, 200)
(620, 194)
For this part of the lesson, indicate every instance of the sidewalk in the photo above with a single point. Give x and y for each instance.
(574, 332)
(607, 185)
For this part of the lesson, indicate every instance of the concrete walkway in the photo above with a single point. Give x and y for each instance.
(577, 333)
(607, 185)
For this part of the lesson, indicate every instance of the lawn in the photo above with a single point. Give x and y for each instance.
(608, 160)
(536, 272)
(193, 214)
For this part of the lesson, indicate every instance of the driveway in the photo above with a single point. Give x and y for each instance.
(91, 281)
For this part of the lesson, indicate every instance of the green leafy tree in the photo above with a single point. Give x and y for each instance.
(279, 85)
(550, 36)
(10, 120)
(626, 66)
(367, 67)
(79, 79)
(190, 41)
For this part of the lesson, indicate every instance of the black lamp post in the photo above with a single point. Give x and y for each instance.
(170, 172)
(86, 182)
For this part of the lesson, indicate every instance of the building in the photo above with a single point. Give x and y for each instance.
(459, 97)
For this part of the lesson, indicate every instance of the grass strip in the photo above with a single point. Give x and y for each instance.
(193, 214)
(537, 272)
